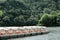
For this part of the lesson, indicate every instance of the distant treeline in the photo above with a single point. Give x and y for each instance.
(30, 12)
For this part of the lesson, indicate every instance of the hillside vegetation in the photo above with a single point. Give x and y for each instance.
(30, 12)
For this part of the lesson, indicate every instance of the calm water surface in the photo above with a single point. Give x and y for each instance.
(53, 35)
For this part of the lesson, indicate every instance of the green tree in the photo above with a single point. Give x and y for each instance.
(1, 13)
(19, 21)
(32, 21)
(47, 20)
(58, 19)
(6, 20)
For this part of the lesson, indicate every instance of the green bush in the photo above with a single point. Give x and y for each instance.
(47, 20)
(1, 13)
(58, 19)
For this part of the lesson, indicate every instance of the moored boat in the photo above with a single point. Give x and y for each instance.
(11, 32)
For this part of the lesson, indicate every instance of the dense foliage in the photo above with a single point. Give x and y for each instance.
(30, 12)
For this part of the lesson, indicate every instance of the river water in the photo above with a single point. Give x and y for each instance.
(53, 35)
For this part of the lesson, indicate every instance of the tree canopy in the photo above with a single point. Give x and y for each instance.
(30, 12)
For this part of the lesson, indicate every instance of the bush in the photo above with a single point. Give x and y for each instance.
(58, 19)
(32, 21)
(1, 13)
(47, 20)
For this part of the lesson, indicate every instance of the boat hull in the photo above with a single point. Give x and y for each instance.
(21, 35)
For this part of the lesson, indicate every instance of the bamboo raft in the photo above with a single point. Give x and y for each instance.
(15, 32)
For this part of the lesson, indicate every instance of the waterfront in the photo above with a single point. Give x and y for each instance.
(53, 35)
